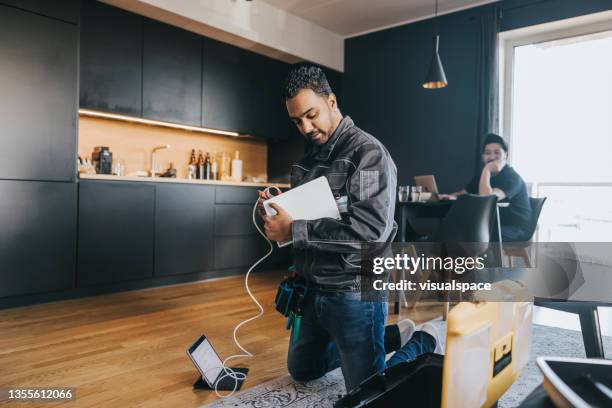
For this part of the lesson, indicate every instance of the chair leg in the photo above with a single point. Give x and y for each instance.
(424, 276)
(446, 307)
(510, 261)
(403, 293)
(417, 293)
(525, 257)
(591, 331)
(396, 305)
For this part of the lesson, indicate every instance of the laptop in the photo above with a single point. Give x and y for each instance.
(209, 364)
(428, 183)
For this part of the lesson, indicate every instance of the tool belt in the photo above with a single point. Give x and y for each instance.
(288, 301)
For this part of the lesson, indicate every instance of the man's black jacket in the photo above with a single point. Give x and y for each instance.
(359, 170)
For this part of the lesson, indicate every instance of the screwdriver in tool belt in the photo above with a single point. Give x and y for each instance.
(289, 321)
(297, 322)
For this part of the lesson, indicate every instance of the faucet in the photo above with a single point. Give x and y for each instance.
(153, 164)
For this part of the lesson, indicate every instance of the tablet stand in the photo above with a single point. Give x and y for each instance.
(227, 384)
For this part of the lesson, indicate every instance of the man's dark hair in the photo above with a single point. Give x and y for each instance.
(306, 77)
(493, 138)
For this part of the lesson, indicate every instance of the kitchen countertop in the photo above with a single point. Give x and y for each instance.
(179, 180)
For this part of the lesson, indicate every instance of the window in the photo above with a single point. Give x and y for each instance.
(557, 116)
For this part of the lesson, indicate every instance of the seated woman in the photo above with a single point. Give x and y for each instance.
(499, 178)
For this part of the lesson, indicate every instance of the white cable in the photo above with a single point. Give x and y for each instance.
(228, 372)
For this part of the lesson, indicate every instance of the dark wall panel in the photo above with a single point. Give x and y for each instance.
(37, 237)
(67, 10)
(426, 132)
(522, 13)
(38, 96)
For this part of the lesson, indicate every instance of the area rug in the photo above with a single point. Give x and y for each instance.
(322, 393)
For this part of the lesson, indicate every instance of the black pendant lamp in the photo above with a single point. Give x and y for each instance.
(435, 75)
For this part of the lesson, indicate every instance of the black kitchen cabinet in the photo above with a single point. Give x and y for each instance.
(226, 83)
(172, 74)
(239, 251)
(110, 59)
(184, 228)
(38, 237)
(269, 113)
(242, 91)
(236, 195)
(238, 244)
(67, 10)
(116, 232)
(234, 219)
(38, 97)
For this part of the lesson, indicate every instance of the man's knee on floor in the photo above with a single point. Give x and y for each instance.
(301, 373)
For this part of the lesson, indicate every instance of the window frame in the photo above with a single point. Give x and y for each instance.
(557, 30)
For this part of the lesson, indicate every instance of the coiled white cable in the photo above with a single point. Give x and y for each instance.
(228, 372)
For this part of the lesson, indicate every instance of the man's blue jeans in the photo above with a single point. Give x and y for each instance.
(339, 330)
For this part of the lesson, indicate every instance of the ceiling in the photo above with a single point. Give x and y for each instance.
(353, 17)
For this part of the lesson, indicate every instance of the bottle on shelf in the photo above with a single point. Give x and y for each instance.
(237, 167)
(214, 167)
(207, 167)
(201, 170)
(191, 168)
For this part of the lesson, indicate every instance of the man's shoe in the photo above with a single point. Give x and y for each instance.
(396, 335)
(437, 329)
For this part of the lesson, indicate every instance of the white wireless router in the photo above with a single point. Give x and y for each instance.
(310, 201)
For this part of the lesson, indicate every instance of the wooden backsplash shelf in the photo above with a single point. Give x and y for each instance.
(132, 143)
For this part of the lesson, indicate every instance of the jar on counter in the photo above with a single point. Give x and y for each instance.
(225, 160)
(119, 167)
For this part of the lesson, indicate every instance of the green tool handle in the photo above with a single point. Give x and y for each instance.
(289, 321)
(297, 321)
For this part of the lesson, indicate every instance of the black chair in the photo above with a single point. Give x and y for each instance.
(521, 249)
(465, 231)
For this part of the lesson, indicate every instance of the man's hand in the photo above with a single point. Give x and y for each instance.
(495, 166)
(263, 196)
(278, 227)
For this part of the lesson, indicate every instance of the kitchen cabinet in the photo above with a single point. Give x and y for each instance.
(172, 74)
(239, 251)
(234, 219)
(38, 237)
(184, 228)
(242, 91)
(238, 244)
(227, 101)
(38, 97)
(67, 10)
(270, 117)
(236, 195)
(116, 232)
(110, 59)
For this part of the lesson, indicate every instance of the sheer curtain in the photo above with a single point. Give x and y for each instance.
(488, 78)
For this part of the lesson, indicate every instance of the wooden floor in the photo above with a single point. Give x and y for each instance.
(128, 349)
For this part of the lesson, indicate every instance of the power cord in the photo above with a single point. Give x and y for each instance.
(228, 372)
